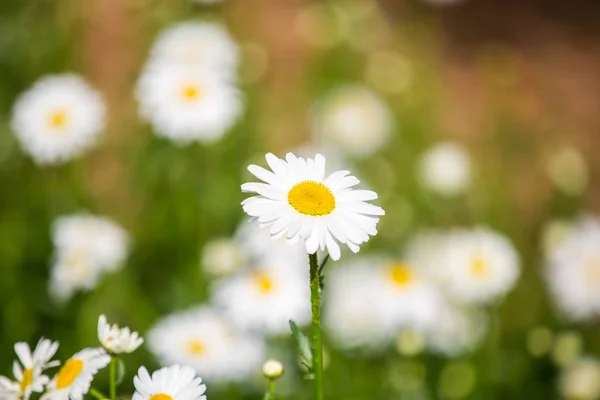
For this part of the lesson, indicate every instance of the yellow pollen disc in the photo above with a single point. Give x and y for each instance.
(479, 267)
(58, 119)
(191, 92)
(196, 347)
(263, 282)
(311, 198)
(399, 274)
(160, 396)
(68, 373)
(26, 380)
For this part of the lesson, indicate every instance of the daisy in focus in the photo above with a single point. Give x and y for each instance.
(186, 104)
(573, 272)
(446, 169)
(74, 378)
(168, 383)
(204, 340)
(298, 202)
(58, 118)
(117, 340)
(28, 373)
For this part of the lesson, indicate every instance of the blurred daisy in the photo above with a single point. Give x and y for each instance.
(58, 118)
(581, 380)
(187, 104)
(445, 169)
(73, 270)
(222, 257)
(28, 373)
(425, 252)
(168, 383)
(573, 273)
(299, 202)
(264, 299)
(354, 119)
(480, 265)
(202, 339)
(75, 376)
(197, 44)
(117, 340)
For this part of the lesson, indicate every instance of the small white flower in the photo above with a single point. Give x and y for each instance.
(299, 202)
(186, 104)
(202, 339)
(573, 273)
(58, 119)
(28, 373)
(354, 119)
(168, 383)
(197, 44)
(446, 169)
(272, 369)
(74, 379)
(222, 257)
(581, 380)
(117, 340)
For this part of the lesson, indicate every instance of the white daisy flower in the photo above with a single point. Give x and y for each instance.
(445, 169)
(73, 270)
(480, 265)
(354, 119)
(299, 202)
(58, 118)
(28, 373)
(265, 298)
(117, 340)
(168, 383)
(197, 44)
(73, 380)
(187, 104)
(573, 273)
(202, 339)
(581, 380)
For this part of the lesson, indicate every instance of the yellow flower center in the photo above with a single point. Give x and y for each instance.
(191, 92)
(68, 373)
(399, 274)
(196, 347)
(311, 198)
(160, 396)
(263, 282)
(26, 380)
(479, 267)
(58, 119)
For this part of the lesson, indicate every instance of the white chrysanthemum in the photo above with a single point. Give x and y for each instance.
(28, 373)
(573, 272)
(299, 202)
(480, 265)
(168, 383)
(117, 340)
(581, 380)
(445, 169)
(264, 299)
(222, 257)
(58, 118)
(187, 104)
(75, 377)
(457, 330)
(197, 44)
(202, 339)
(354, 119)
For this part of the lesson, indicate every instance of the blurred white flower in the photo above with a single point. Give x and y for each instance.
(222, 257)
(568, 170)
(117, 340)
(74, 378)
(168, 383)
(264, 299)
(581, 380)
(425, 252)
(186, 104)
(445, 169)
(205, 45)
(354, 119)
(299, 202)
(204, 340)
(573, 271)
(58, 118)
(28, 373)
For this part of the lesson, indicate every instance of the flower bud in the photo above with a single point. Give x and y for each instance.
(272, 369)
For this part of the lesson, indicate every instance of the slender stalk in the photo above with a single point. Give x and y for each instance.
(270, 395)
(97, 394)
(317, 345)
(113, 378)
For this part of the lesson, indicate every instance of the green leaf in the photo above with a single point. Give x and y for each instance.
(303, 345)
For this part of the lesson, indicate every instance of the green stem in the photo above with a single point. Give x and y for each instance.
(97, 394)
(270, 395)
(113, 378)
(317, 345)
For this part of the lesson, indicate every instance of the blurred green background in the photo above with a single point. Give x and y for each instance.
(513, 81)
